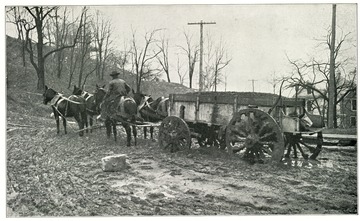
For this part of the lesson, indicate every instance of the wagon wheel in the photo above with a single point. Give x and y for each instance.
(256, 135)
(297, 142)
(174, 134)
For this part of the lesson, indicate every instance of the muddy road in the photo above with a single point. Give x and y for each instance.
(60, 175)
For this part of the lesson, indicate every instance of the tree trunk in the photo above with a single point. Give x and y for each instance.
(40, 56)
(23, 50)
(190, 78)
(168, 76)
(72, 66)
(59, 64)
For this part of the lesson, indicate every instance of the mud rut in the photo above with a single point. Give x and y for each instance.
(60, 175)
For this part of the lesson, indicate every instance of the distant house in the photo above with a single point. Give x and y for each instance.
(348, 110)
(312, 99)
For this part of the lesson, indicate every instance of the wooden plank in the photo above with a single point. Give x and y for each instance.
(334, 136)
(228, 98)
(291, 102)
(205, 112)
(183, 97)
(190, 110)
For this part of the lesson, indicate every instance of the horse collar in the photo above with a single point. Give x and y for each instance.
(85, 95)
(57, 99)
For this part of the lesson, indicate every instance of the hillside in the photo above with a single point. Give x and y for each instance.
(24, 78)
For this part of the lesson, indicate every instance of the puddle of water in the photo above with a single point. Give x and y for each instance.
(298, 163)
(326, 164)
(308, 163)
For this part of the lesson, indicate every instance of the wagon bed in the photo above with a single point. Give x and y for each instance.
(218, 107)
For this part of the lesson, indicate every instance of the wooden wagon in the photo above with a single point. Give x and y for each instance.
(257, 125)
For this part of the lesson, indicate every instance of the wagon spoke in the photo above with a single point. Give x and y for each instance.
(267, 149)
(265, 128)
(182, 135)
(237, 129)
(174, 130)
(298, 142)
(260, 136)
(183, 143)
(269, 137)
(236, 138)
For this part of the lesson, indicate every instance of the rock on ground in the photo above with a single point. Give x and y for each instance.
(114, 163)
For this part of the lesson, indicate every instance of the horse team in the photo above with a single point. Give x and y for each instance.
(84, 107)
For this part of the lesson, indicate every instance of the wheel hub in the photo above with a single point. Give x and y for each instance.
(251, 140)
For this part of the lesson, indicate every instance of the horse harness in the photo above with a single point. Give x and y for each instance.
(123, 99)
(57, 99)
(157, 111)
(87, 96)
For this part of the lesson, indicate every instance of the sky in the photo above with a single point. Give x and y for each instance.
(258, 38)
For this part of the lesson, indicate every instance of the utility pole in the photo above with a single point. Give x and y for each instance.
(253, 80)
(332, 86)
(201, 23)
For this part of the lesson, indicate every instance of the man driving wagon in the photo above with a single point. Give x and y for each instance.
(117, 89)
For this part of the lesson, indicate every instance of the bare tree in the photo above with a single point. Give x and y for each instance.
(124, 58)
(39, 16)
(274, 80)
(314, 76)
(208, 74)
(16, 16)
(61, 30)
(142, 58)
(221, 61)
(163, 56)
(191, 52)
(102, 33)
(182, 76)
(84, 48)
(216, 61)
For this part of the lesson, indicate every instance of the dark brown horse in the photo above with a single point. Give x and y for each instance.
(73, 106)
(125, 113)
(92, 107)
(151, 110)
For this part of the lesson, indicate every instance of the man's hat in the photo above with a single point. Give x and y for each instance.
(114, 73)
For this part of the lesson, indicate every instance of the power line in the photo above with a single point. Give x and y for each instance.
(201, 23)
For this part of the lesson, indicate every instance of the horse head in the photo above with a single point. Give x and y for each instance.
(141, 98)
(77, 91)
(48, 94)
(99, 94)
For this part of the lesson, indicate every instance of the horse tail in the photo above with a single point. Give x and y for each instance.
(130, 109)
